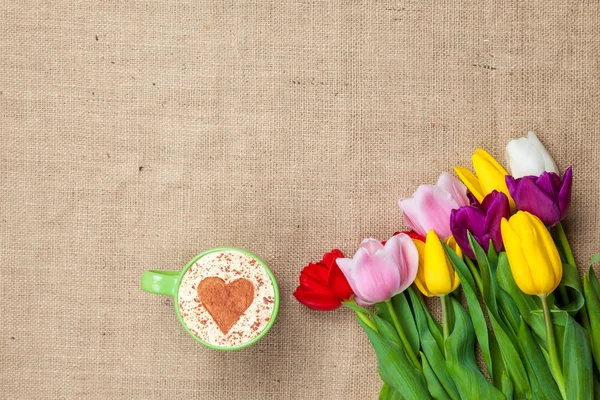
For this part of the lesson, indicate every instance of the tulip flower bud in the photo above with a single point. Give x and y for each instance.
(436, 275)
(532, 254)
(490, 176)
(482, 220)
(431, 205)
(377, 272)
(323, 286)
(528, 157)
(546, 196)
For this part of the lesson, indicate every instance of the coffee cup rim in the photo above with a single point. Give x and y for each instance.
(274, 313)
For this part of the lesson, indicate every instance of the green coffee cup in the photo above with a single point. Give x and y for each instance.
(168, 283)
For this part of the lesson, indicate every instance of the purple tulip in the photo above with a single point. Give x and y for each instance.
(546, 196)
(482, 220)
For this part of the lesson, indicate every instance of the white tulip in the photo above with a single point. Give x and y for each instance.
(528, 156)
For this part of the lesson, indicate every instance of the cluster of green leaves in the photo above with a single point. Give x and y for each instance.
(508, 327)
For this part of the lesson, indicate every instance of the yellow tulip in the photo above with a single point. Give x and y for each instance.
(436, 275)
(490, 176)
(532, 254)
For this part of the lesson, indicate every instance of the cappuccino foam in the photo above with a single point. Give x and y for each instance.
(228, 265)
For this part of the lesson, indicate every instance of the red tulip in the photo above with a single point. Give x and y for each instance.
(412, 234)
(323, 286)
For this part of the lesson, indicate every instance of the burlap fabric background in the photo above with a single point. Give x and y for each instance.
(138, 134)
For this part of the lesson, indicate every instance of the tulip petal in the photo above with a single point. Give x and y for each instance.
(413, 235)
(538, 258)
(314, 278)
(528, 157)
(471, 218)
(545, 244)
(523, 158)
(436, 271)
(428, 209)
(457, 190)
(496, 207)
(482, 220)
(373, 278)
(518, 263)
(531, 198)
(315, 272)
(329, 258)
(564, 196)
(471, 182)
(316, 301)
(453, 244)
(549, 182)
(549, 164)
(338, 285)
(487, 157)
(464, 220)
(371, 245)
(413, 225)
(491, 175)
(404, 253)
(455, 282)
(362, 302)
(420, 278)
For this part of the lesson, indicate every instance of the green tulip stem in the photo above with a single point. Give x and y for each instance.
(562, 237)
(403, 338)
(445, 323)
(551, 343)
(366, 320)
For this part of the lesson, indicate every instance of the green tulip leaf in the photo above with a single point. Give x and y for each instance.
(493, 296)
(558, 244)
(497, 364)
(488, 283)
(508, 388)
(542, 383)
(460, 359)
(405, 317)
(560, 318)
(435, 387)
(394, 366)
(525, 303)
(386, 330)
(535, 363)
(577, 362)
(480, 325)
(571, 281)
(509, 348)
(434, 328)
(596, 388)
(591, 290)
(507, 340)
(509, 312)
(351, 304)
(492, 254)
(389, 393)
(431, 349)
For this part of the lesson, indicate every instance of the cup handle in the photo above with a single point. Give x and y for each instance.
(160, 282)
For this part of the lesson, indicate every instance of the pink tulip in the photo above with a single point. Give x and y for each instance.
(430, 206)
(377, 272)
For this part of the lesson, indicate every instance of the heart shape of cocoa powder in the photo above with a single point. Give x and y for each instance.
(225, 302)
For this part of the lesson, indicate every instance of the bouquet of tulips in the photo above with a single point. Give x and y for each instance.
(499, 238)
